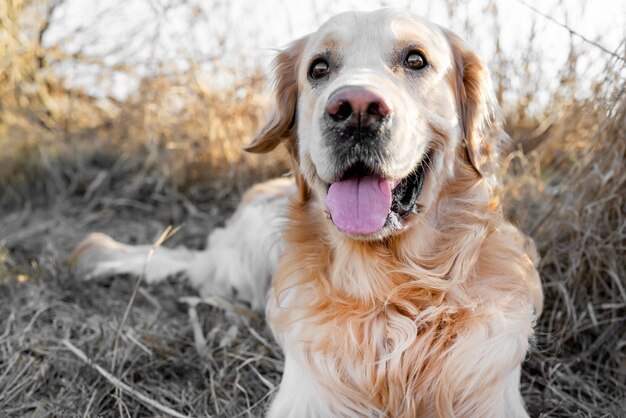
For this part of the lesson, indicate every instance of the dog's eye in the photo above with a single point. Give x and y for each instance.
(415, 61)
(318, 69)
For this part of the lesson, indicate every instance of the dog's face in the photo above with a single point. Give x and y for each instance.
(375, 107)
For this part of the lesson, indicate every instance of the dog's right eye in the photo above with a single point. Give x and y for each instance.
(415, 60)
(318, 69)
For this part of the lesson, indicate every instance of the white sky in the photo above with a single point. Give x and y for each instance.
(243, 33)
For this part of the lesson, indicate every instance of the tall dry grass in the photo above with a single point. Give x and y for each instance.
(170, 153)
(182, 131)
(569, 194)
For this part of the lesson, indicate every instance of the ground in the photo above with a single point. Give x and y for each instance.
(46, 305)
(43, 306)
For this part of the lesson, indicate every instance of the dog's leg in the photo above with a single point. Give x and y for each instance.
(100, 255)
(297, 395)
(238, 262)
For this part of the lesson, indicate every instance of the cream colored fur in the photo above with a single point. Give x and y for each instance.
(431, 320)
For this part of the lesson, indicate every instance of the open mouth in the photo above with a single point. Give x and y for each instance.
(364, 203)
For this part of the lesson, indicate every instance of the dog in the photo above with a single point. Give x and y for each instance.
(385, 266)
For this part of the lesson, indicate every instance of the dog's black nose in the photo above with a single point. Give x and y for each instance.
(358, 106)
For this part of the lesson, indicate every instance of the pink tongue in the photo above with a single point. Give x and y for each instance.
(359, 205)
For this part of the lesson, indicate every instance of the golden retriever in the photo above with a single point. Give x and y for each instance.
(399, 289)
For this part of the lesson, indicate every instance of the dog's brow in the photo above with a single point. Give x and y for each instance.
(406, 41)
(330, 42)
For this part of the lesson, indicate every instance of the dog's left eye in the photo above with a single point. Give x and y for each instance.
(318, 69)
(415, 60)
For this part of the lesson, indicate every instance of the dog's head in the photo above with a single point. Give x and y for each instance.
(380, 111)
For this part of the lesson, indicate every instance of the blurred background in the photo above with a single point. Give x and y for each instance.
(126, 116)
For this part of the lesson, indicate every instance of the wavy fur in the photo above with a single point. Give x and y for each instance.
(433, 321)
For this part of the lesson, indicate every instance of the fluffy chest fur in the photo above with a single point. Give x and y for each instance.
(405, 327)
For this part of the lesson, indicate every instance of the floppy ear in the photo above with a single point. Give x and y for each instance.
(282, 124)
(476, 107)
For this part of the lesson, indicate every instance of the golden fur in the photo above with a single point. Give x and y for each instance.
(434, 321)
(431, 320)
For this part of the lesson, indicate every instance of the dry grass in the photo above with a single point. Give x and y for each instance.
(574, 207)
(169, 155)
